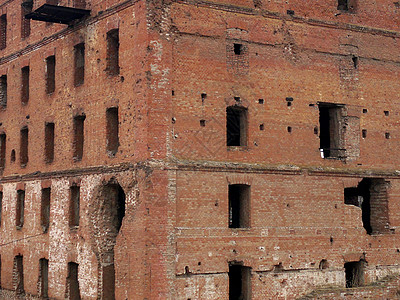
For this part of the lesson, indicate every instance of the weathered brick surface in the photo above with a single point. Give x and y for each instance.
(178, 72)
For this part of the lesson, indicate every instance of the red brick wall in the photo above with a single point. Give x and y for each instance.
(174, 242)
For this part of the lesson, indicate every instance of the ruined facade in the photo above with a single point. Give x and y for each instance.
(199, 149)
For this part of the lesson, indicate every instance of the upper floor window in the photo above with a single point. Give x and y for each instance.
(3, 31)
(79, 59)
(50, 74)
(239, 205)
(79, 138)
(26, 8)
(3, 91)
(23, 151)
(331, 140)
(25, 85)
(346, 5)
(236, 126)
(113, 52)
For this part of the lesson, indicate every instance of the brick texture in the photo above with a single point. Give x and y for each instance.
(135, 119)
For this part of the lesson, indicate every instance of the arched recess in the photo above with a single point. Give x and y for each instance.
(106, 211)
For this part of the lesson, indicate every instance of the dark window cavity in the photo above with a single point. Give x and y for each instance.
(43, 285)
(238, 49)
(79, 55)
(73, 291)
(26, 8)
(49, 142)
(24, 138)
(1, 210)
(364, 133)
(113, 52)
(25, 85)
(355, 61)
(372, 197)
(239, 205)
(112, 131)
(19, 214)
(74, 206)
(108, 279)
(331, 142)
(50, 74)
(3, 148)
(78, 142)
(236, 126)
(354, 273)
(343, 5)
(3, 91)
(347, 5)
(3, 31)
(45, 209)
(239, 282)
(18, 275)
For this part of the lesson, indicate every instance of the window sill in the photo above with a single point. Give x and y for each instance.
(74, 229)
(237, 148)
(241, 229)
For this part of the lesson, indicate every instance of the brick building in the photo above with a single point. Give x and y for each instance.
(199, 149)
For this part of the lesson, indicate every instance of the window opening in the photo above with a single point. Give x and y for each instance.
(355, 61)
(354, 271)
(330, 132)
(343, 5)
(236, 126)
(45, 209)
(112, 131)
(12, 156)
(24, 146)
(238, 49)
(1, 210)
(364, 133)
(26, 8)
(112, 202)
(18, 273)
(49, 142)
(79, 54)
(74, 204)
(3, 91)
(50, 74)
(43, 278)
(25, 85)
(109, 281)
(113, 52)
(239, 282)
(371, 196)
(78, 136)
(239, 205)
(203, 97)
(19, 216)
(3, 31)
(3, 139)
(72, 282)
(323, 264)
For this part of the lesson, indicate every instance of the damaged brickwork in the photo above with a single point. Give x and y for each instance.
(199, 149)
